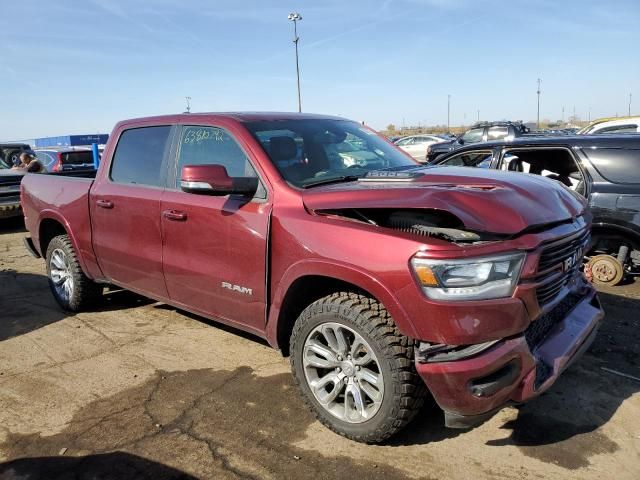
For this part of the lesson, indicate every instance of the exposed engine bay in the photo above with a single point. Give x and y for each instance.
(424, 222)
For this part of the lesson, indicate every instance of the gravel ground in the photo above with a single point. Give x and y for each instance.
(137, 389)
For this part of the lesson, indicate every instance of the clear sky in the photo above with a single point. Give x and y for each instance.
(71, 66)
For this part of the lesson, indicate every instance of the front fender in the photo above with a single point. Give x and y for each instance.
(337, 271)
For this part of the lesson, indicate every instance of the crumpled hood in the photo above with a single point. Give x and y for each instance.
(484, 200)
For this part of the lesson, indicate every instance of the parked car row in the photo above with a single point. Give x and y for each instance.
(481, 132)
(10, 153)
(53, 160)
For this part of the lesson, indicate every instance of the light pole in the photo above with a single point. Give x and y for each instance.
(538, 92)
(448, 113)
(478, 115)
(188, 109)
(295, 17)
(629, 104)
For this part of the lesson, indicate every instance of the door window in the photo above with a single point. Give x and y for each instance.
(211, 145)
(478, 159)
(474, 135)
(554, 163)
(404, 142)
(139, 156)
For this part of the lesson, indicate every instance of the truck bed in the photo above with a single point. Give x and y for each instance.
(63, 197)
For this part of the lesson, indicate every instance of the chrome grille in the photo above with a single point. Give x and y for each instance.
(553, 259)
(557, 252)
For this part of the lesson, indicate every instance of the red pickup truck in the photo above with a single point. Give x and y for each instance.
(383, 280)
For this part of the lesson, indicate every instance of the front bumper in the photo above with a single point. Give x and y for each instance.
(515, 369)
(10, 209)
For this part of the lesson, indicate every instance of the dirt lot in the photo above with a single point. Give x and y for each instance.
(137, 389)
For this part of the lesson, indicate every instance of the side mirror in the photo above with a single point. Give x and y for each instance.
(460, 140)
(214, 180)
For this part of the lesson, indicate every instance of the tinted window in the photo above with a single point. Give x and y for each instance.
(616, 164)
(211, 145)
(139, 155)
(472, 136)
(618, 129)
(495, 133)
(479, 159)
(77, 158)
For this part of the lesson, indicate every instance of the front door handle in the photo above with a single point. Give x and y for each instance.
(175, 215)
(104, 203)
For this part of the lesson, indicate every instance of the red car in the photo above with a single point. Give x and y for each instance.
(384, 280)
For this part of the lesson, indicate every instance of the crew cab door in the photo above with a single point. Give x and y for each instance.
(125, 211)
(215, 247)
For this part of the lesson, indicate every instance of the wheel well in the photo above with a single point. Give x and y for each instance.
(49, 229)
(613, 233)
(303, 292)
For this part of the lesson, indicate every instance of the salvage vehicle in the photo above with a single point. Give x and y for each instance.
(605, 169)
(383, 280)
(480, 132)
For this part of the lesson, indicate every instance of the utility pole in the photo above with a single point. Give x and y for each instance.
(563, 114)
(188, 109)
(478, 115)
(589, 117)
(539, 82)
(448, 113)
(295, 17)
(629, 104)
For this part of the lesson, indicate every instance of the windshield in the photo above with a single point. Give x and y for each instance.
(315, 151)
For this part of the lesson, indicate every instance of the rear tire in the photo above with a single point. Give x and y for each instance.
(349, 343)
(71, 288)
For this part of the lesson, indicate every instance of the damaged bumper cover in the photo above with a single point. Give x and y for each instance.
(473, 387)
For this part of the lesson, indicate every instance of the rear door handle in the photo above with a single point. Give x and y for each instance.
(175, 215)
(104, 203)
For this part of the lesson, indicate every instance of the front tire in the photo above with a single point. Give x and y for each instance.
(354, 368)
(71, 288)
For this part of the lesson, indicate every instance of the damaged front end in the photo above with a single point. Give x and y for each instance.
(428, 223)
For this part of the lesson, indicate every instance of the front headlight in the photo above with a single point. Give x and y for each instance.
(469, 279)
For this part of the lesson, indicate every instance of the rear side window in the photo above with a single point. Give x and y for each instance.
(495, 133)
(139, 154)
(617, 165)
